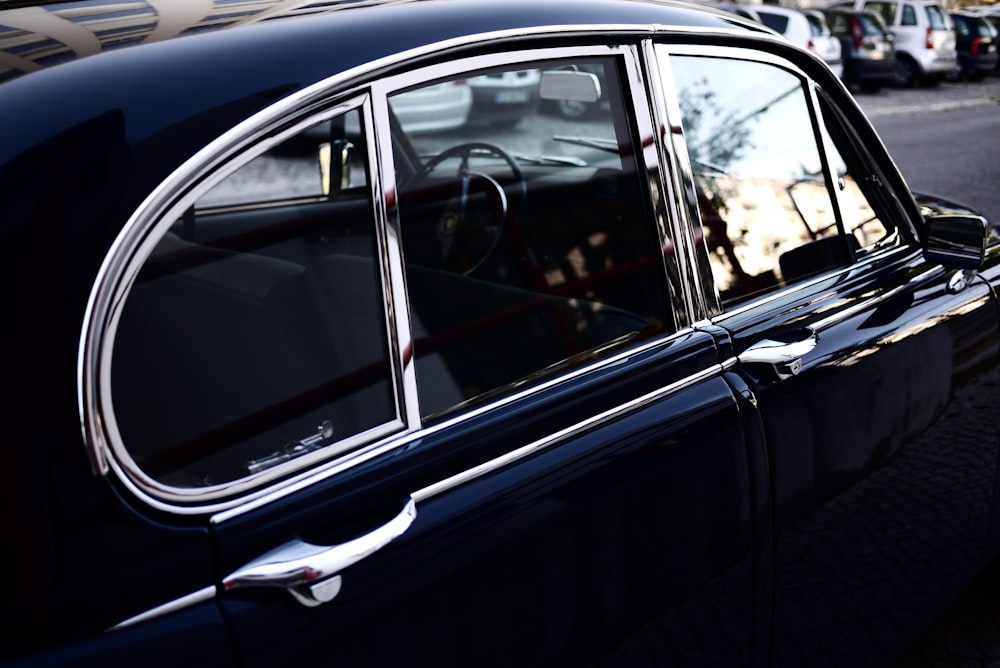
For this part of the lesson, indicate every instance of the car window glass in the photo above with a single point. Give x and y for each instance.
(526, 236)
(765, 204)
(859, 218)
(936, 17)
(255, 334)
(297, 168)
(815, 25)
(887, 10)
(909, 17)
(775, 22)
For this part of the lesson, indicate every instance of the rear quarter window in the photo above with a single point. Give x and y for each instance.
(774, 22)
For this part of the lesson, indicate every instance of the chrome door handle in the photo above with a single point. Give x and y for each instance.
(784, 357)
(311, 573)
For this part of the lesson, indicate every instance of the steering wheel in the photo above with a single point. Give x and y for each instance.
(466, 217)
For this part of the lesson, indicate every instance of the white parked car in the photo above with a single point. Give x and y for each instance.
(805, 28)
(924, 38)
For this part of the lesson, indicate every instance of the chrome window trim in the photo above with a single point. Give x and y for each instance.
(678, 166)
(323, 472)
(594, 421)
(137, 237)
(644, 153)
(903, 251)
(409, 439)
(662, 184)
(118, 273)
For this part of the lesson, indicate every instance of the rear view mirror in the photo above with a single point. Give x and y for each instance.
(956, 241)
(570, 85)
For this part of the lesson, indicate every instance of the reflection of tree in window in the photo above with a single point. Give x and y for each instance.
(756, 160)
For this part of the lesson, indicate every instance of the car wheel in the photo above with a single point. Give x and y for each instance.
(906, 73)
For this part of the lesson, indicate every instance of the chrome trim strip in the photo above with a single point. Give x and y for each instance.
(410, 439)
(677, 168)
(661, 177)
(851, 311)
(904, 251)
(387, 236)
(206, 594)
(542, 444)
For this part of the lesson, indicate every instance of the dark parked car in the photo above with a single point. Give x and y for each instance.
(976, 43)
(994, 20)
(697, 379)
(867, 48)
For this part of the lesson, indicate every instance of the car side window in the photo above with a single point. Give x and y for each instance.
(255, 333)
(909, 17)
(527, 238)
(887, 10)
(768, 211)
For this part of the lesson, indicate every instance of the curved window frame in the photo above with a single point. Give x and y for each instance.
(129, 254)
(268, 128)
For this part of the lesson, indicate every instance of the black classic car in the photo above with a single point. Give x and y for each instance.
(691, 378)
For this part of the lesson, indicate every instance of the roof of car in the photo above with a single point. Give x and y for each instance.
(123, 93)
(37, 35)
(159, 62)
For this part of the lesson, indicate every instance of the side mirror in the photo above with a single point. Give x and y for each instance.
(956, 241)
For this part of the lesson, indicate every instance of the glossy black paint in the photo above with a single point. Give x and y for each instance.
(704, 510)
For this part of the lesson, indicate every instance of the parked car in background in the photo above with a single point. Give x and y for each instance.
(807, 29)
(504, 98)
(435, 108)
(924, 38)
(867, 45)
(698, 379)
(743, 10)
(976, 43)
(994, 20)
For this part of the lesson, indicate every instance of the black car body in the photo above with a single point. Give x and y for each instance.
(694, 377)
(866, 44)
(976, 43)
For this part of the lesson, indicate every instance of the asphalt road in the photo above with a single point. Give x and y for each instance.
(946, 141)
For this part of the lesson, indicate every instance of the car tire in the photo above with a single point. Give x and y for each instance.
(906, 73)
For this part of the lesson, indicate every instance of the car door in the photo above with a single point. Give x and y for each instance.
(871, 366)
(444, 410)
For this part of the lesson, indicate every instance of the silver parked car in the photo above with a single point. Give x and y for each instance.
(924, 38)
